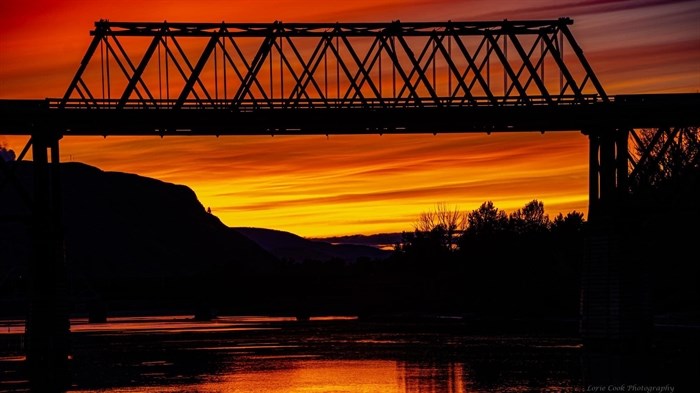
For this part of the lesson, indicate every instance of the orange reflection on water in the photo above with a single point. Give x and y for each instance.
(304, 375)
(342, 376)
(172, 324)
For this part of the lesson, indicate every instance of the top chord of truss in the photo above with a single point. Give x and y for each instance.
(321, 29)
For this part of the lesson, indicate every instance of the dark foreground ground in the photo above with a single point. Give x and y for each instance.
(277, 354)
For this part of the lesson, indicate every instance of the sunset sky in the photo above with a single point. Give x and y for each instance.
(317, 186)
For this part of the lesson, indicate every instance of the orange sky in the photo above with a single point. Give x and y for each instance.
(318, 186)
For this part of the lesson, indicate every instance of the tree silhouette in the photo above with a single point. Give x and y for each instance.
(573, 222)
(529, 219)
(6, 154)
(487, 220)
(664, 155)
(517, 265)
(443, 223)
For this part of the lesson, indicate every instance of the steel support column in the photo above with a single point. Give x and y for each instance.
(47, 327)
(615, 310)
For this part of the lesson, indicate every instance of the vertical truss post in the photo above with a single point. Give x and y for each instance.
(615, 312)
(47, 327)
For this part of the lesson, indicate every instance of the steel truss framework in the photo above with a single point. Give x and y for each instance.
(332, 65)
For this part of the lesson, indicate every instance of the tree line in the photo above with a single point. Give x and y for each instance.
(490, 262)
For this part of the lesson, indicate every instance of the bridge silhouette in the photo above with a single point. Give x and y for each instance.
(179, 79)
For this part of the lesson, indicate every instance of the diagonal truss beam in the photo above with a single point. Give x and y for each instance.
(533, 74)
(138, 72)
(477, 71)
(196, 71)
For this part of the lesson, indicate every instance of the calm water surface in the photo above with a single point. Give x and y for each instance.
(275, 355)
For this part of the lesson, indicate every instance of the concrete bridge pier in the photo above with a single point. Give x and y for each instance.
(615, 300)
(47, 325)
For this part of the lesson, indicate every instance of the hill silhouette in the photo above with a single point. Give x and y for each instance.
(288, 246)
(135, 242)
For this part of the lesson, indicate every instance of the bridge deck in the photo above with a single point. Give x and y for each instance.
(22, 117)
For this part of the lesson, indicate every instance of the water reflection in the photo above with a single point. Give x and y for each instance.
(170, 323)
(176, 354)
(314, 375)
(448, 378)
(275, 355)
(290, 375)
(366, 376)
(349, 376)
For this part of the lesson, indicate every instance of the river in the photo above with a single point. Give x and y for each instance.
(328, 354)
